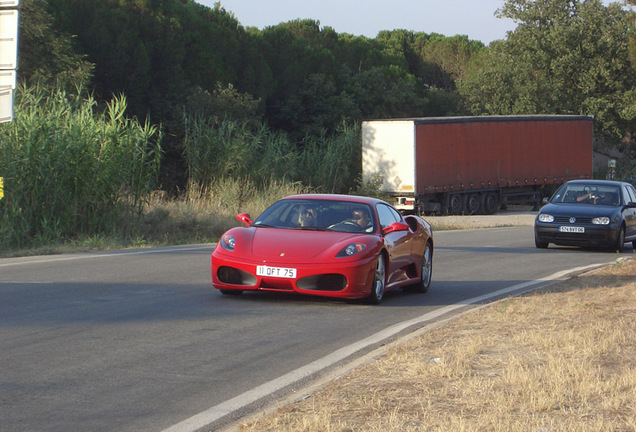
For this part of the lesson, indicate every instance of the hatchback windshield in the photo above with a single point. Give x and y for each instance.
(581, 193)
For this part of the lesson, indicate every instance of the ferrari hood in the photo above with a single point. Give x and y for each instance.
(296, 245)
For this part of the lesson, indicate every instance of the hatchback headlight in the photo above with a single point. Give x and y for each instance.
(228, 242)
(603, 220)
(544, 217)
(351, 250)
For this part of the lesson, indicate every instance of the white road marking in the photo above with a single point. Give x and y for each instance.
(103, 255)
(219, 411)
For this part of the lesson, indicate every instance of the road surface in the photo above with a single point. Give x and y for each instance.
(139, 341)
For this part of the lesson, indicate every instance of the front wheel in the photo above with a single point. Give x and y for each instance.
(379, 281)
(540, 244)
(231, 292)
(620, 241)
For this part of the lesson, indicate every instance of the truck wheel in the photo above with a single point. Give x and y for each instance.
(455, 204)
(472, 205)
(491, 203)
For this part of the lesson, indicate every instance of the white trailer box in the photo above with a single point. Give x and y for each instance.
(388, 150)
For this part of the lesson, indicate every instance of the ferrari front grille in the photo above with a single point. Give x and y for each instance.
(233, 276)
(325, 282)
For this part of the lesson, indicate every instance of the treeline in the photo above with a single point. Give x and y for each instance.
(212, 100)
(177, 58)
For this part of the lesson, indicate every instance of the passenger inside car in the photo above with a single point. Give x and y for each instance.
(610, 198)
(308, 217)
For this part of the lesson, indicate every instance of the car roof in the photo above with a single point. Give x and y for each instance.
(597, 182)
(338, 197)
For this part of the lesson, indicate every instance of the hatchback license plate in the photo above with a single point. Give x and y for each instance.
(572, 229)
(279, 272)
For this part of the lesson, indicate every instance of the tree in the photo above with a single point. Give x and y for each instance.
(565, 57)
(48, 56)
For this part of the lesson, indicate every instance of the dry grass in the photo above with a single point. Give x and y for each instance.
(561, 359)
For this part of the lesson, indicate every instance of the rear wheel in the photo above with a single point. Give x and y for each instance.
(472, 204)
(379, 281)
(491, 203)
(426, 272)
(455, 204)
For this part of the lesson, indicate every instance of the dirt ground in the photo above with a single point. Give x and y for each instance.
(503, 218)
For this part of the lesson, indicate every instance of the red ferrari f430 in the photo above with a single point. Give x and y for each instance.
(326, 245)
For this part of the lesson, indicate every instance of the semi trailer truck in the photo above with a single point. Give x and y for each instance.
(475, 165)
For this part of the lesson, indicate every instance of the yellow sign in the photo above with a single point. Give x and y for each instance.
(1, 188)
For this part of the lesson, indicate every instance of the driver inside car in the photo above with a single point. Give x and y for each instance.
(361, 218)
(588, 196)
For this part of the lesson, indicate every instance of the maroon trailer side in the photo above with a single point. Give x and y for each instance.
(477, 164)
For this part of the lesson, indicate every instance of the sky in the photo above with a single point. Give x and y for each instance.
(474, 18)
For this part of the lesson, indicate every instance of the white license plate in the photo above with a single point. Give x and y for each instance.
(279, 272)
(572, 229)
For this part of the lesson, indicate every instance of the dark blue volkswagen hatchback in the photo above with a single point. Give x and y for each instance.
(588, 213)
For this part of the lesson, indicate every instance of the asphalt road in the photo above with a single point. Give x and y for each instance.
(139, 341)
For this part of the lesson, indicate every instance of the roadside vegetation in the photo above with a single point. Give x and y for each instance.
(559, 359)
(151, 122)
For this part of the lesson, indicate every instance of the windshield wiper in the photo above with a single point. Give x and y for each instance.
(263, 225)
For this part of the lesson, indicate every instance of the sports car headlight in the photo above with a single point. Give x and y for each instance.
(351, 250)
(543, 217)
(228, 242)
(603, 220)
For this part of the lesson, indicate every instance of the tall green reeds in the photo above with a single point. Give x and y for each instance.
(332, 163)
(215, 151)
(218, 151)
(72, 170)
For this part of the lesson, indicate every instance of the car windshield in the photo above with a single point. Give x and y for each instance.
(583, 193)
(318, 215)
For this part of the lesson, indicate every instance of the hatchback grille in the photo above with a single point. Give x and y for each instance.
(566, 219)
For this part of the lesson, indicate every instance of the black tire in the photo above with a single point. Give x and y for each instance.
(379, 281)
(426, 272)
(231, 292)
(472, 204)
(455, 204)
(620, 241)
(540, 244)
(491, 203)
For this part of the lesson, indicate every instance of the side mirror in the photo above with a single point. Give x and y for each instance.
(396, 226)
(631, 205)
(245, 218)
(546, 200)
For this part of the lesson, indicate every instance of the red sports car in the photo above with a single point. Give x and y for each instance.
(326, 245)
